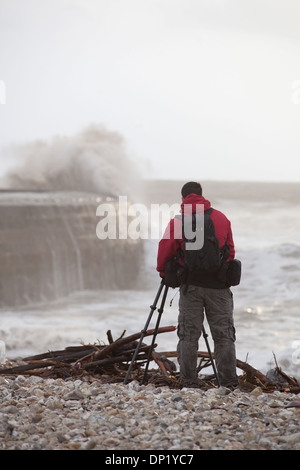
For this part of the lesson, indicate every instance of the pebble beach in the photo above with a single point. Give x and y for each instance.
(56, 414)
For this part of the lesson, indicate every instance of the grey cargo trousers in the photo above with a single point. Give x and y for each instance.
(218, 307)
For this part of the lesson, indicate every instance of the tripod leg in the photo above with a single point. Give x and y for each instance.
(205, 335)
(160, 311)
(152, 309)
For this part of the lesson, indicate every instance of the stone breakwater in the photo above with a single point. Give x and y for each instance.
(53, 414)
(50, 248)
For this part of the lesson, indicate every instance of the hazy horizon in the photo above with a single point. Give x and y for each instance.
(204, 90)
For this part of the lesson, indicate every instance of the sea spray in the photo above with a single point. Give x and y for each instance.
(266, 225)
(48, 218)
(94, 160)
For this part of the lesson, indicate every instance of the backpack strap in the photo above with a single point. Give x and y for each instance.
(187, 279)
(208, 211)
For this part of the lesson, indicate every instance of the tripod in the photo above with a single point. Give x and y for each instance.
(160, 311)
(152, 309)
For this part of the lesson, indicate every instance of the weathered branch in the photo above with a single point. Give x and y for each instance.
(111, 362)
(251, 371)
(121, 341)
(87, 356)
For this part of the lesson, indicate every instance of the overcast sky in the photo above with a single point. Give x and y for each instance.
(199, 89)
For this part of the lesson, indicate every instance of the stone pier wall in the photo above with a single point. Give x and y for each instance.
(49, 248)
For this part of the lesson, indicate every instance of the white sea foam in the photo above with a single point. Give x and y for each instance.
(267, 302)
(94, 160)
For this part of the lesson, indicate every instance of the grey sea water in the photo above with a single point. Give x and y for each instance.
(265, 220)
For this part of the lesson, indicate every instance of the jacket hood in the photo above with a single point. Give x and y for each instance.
(194, 204)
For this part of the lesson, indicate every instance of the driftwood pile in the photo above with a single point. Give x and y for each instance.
(110, 363)
(107, 362)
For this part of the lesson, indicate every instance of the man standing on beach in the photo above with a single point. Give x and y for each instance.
(209, 293)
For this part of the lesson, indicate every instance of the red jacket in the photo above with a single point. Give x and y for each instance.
(172, 240)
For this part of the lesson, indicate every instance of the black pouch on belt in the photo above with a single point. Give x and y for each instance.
(234, 271)
(173, 273)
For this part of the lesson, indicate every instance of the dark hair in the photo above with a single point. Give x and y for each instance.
(191, 187)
